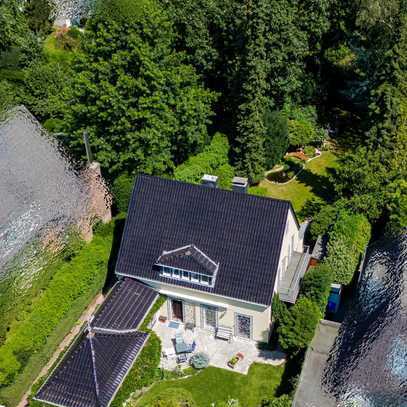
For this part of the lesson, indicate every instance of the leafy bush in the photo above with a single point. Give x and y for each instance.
(122, 189)
(278, 308)
(323, 221)
(347, 241)
(171, 398)
(316, 285)
(303, 127)
(297, 325)
(213, 160)
(82, 275)
(312, 208)
(200, 360)
(309, 151)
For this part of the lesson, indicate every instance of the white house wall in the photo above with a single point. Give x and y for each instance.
(291, 231)
(227, 308)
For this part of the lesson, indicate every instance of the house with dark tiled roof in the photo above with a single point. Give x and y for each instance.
(218, 256)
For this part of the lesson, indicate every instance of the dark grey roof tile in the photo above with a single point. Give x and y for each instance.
(241, 232)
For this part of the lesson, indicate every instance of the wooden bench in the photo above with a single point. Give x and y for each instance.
(224, 332)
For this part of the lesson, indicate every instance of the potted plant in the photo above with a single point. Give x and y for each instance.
(235, 359)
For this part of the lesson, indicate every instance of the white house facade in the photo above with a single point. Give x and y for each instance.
(200, 278)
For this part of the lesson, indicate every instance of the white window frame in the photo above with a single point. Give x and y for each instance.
(237, 326)
(203, 317)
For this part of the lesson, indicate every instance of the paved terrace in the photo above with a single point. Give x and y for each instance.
(219, 351)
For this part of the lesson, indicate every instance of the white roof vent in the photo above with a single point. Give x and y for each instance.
(240, 184)
(209, 181)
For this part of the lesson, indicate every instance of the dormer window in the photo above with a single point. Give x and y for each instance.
(188, 263)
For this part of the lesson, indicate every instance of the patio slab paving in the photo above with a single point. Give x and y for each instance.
(219, 351)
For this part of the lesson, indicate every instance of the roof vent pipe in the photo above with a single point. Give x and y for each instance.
(210, 181)
(240, 184)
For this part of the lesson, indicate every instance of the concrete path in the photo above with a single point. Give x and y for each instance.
(309, 390)
(65, 343)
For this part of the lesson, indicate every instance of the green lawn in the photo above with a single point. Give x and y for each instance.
(215, 385)
(311, 182)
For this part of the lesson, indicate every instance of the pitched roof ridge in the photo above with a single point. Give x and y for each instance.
(226, 191)
(90, 337)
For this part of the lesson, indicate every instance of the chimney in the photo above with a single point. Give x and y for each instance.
(239, 184)
(210, 181)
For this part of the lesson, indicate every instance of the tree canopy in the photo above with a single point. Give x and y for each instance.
(132, 92)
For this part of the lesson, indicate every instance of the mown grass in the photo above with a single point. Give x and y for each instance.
(214, 385)
(313, 181)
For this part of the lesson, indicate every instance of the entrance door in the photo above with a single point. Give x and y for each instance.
(177, 312)
(243, 326)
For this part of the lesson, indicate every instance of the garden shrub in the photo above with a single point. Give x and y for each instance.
(312, 208)
(297, 325)
(278, 308)
(303, 127)
(347, 241)
(323, 221)
(213, 160)
(122, 188)
(82, 275)
(309, 151)
(316, 285)
(200, 360)
(147, 319)
(177, 397)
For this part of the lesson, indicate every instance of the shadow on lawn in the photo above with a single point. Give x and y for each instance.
(291, 374)
(321, 185)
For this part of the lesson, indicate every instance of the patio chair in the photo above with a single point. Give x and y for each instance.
(169, 353)
(182, 358)
(178, 337)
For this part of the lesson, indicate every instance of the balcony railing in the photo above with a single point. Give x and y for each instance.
(290, 285)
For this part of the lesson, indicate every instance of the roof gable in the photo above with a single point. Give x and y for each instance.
(241, 232)
(188, 258)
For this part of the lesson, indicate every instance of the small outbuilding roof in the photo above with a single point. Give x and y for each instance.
(96, 364)
(125, 307)
(93, 370)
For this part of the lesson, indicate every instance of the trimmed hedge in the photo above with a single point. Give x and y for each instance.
(316, 285)
(80, 275)
(347, 241)
(122, 188)
(213, 160)
(297, 326)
